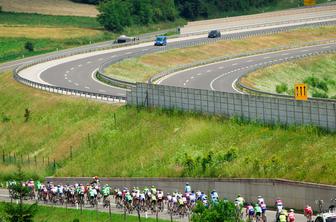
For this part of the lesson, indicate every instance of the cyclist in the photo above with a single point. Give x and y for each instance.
(308, 212)
(250, 212)
(258, 212)
(187, 188)
(279, 208)
(214, 197)
(260, 200)
(291, 216)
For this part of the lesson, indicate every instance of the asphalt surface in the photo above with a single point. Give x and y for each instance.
(4, 197)
(221, 76)
(79, 73)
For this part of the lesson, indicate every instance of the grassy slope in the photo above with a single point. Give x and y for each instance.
(49, 33)
(140, 69)
(153, 143)
(53, 214)
(322, 67)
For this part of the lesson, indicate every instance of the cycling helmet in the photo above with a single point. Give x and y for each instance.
(291, 210)
(259, 196)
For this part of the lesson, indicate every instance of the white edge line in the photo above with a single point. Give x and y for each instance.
(160, 80)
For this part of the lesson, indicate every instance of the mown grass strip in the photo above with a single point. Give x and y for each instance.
(142, 68)
(56, 214)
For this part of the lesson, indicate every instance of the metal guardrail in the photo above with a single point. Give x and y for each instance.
(260, 25)
(128, 84)
(63, 90)
(250, 90)
(115, 81)
(219, 59)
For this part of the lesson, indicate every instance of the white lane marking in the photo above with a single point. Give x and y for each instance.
(127, 53)
(67, 71)
(251, 60)
(191, 77)
(184, 84)
(267, 57)
(209, 70)
(187, 81)
(100, 59)
(76, 84)
(65, 75)
(145, 50)
(113, 56)
(234, 64)
(88, 62)
(80, 65)
(325, 47)
(284, 54)
(66, 78)
(72, 68)
(234, 86)
(69, 81)
(305, 50)
(221, 67)
(103, 91)
(199, 74)
(86, 87)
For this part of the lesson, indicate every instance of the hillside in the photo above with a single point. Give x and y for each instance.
(49, 7)
(87, 138)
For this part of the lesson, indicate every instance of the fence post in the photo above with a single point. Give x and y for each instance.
(70, 152)
(35, 161)
(3, 156)
(21, 159)
(54, 164)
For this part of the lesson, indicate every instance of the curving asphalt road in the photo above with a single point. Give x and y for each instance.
(77, 72)
(221, 76)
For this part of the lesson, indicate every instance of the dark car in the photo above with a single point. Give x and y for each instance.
(125, 39)
(214, 34)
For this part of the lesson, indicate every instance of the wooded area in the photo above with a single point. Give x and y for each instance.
(117, 14)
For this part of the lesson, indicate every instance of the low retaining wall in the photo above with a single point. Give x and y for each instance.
(294, 194)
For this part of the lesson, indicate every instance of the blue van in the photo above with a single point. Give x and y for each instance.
(160, 40)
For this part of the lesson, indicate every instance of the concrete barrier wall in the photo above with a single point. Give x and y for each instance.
(263, 109)
(294, 194)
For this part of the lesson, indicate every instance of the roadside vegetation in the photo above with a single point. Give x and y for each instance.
(55, 214)
(53, 135)
(50, 33)
(142, 68)
(317, 72)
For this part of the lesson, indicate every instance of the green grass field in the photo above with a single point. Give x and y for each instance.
(84, 139)
(318, 72)
(54, 214)
(142, 68)
(49, 33)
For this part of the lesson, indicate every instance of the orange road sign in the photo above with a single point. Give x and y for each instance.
(309, 2)
(301, 91)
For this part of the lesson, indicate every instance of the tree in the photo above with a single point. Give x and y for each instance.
(19, 212)
(216, 212)
(115, 15)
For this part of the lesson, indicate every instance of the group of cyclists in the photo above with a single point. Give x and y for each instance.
(149, 199)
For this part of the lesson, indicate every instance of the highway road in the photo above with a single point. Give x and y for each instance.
(77, 72)
(4, 197)
(221, 76)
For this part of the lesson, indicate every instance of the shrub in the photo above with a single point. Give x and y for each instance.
(281, 88)
(29, 46)
(311, 81)
(322, 85)
(317, 94)
(4, 118)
